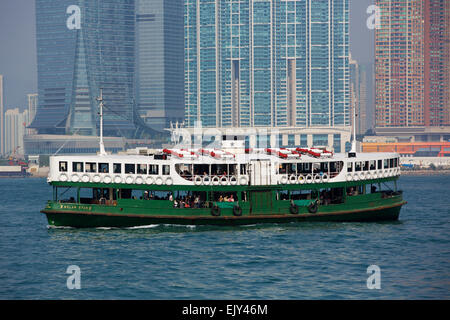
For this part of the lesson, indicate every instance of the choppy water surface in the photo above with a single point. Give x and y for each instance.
(275, 261)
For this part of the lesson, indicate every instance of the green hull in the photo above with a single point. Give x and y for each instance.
(263, 205)
(84, 219)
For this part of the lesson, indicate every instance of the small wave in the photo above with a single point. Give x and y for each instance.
(150, 226)
(59, 227)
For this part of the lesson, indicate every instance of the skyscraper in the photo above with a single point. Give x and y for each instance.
(159, 57)
(399, 64)
(437, 62)
(84, 46)
(358, 95)
(15, 126)
(267, 63)
(2, 120)
(32, 108)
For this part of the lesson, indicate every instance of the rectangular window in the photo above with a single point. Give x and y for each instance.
(142, 169)
(357, 166)
(63, 166)
(365, 165)
(380, 164)
(165, 169)
(77, 167)
(117, 168)
(153, 169)
(372, 165)
(103, 167)
(385, 163)
(349, 166)
(130, 168)
(91, 167)
(391, 163)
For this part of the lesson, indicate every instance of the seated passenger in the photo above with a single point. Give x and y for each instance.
(231, 199)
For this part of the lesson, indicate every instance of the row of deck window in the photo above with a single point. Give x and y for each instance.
(372, 165)
(116, 168)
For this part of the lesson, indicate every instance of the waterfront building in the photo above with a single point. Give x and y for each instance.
(266, 63)
(15, 129)
(358, 95)
(412, 64)
(82, 47)
(399, 65)
(32, 108)
(160, 62)
(437, 62)
(2, 120)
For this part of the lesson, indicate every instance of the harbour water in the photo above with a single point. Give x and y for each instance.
(274, 261)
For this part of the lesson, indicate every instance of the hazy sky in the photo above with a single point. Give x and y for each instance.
(18, 46)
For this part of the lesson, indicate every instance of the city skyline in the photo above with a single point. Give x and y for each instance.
(18, 58)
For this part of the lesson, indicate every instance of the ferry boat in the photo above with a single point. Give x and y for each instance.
(208, 186)
(213, 186)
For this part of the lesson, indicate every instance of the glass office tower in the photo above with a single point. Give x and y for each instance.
(270, 63)
(75, 61)
(160, 62)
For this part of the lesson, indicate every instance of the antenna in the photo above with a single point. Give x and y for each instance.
(354, 130)
(102, 146)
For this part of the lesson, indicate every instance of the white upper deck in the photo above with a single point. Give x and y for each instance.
(269, 166)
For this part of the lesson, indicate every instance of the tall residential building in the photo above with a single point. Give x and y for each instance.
(2, 120)
(358, 94)
(437, 62)
(270, 63)
(399, 64)
(84, 46)
(15, 127)
(160, 62)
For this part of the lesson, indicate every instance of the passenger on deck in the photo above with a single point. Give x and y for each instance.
(220, 198)
(231, 199)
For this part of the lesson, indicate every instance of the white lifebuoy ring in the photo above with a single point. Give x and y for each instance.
(349, 177)
(117, 179)
(283, 179)
(139, 180)
(206, 180)
(317, 178)
(159, 181)
(85, 178)
(75, 178)
(149, 180)
(301, 179)
(243, 180)
(325, 177)
(223, 180)
(233, 180)
(375, 175)
(198, 180)
(63, 177)
(215, 180)
(362, 175)
(107, 179)
(96, 178)
(355, 177)
(169, 181)
(309, 178)
(129, 179)
(292, 179)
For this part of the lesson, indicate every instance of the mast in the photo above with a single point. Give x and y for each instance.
(102, 146)
(353, 149)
